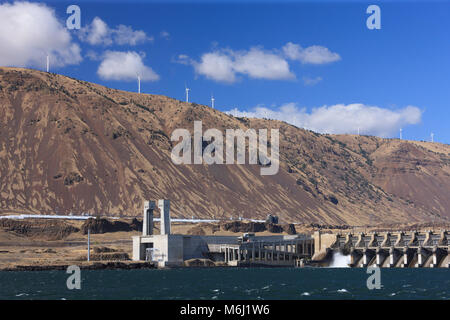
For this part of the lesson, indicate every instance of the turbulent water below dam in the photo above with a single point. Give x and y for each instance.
(228, 283)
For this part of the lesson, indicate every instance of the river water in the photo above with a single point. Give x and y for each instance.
(228, 283)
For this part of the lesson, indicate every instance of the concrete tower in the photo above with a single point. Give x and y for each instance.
(164, 209)
(147, 226)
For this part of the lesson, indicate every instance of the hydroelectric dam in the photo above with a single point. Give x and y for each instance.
(383, 249)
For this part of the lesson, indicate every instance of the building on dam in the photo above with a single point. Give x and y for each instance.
(169, 249)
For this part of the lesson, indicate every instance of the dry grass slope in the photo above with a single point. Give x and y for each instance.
(71, 146)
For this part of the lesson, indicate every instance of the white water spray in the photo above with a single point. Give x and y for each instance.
(339, 260)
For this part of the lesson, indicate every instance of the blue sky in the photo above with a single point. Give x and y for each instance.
(394, 77)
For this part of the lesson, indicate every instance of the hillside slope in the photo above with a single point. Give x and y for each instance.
(72, 146)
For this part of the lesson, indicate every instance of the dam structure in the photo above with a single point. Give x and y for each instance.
(402, 249)
(172, 250)
(410, 249)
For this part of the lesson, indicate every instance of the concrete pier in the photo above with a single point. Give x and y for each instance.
(355, 257)
(394, 257)
(408, 255)
(422, 257)
(437, 256)
(367, 257)
(381, 256)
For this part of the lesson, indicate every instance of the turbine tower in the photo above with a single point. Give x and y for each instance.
(212, 101)
(401, 131)
(139, 83)
(48, 63)
(432, 137)
(187, 92)
(358, 131)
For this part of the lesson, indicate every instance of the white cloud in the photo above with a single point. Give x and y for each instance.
(340, 118)
(310, 55)
(308, 81)
(183, 59)
(216, 66)
(30, 31)
(117, 65)
(164, 34)
(225, 65)
(93, 55)
(98, 32)
(259, 64)
(126, 35)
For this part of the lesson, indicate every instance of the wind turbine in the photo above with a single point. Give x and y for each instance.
(358, 131)
(401, 130)
(187, 92)
(139, 83)
(212, 101)
(48, 63)
(432, 137)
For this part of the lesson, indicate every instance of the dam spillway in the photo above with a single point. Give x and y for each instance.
(411, 249)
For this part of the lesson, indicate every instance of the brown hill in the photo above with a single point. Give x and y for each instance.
(72, 146)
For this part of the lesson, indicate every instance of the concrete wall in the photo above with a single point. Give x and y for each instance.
(322, 241)
(138, 252)
(176, 252)
(194, 247)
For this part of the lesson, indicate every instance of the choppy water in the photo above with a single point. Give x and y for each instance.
(228, 283)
